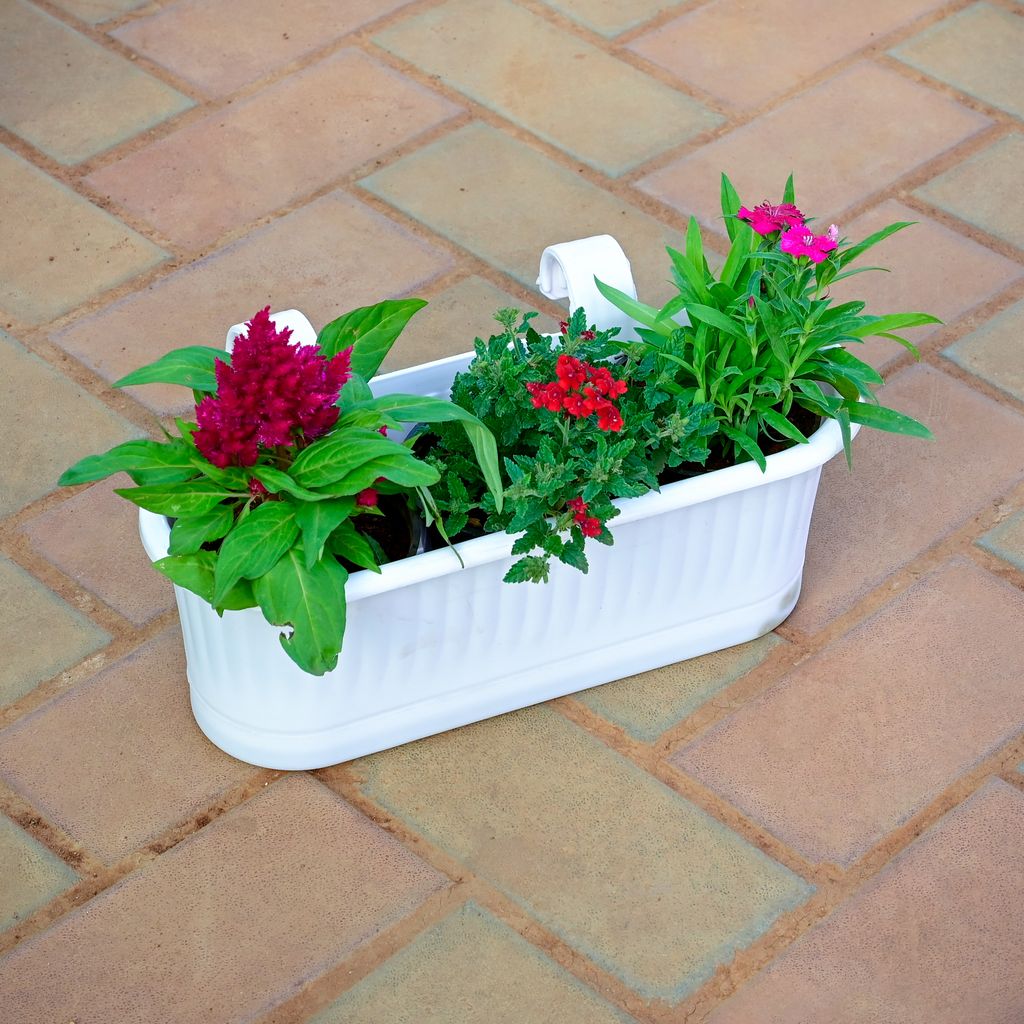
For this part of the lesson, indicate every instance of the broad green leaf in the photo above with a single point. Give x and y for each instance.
(745, 443)
(192, 367)
(255, 544)
(166, 463)
(318, 520)
(370, 330)
(779, 423)
(334, 457)
(640, 312)
(350, 544)
(190, 533)
(881, 418)
(190, 498)
(311, 601)
(420, 409)
(730, 206)
(892, 322)
(195, 572)
(277, 480)
(716, 318)
(354, 391)
(405, 470)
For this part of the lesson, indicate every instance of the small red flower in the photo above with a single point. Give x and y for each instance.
(367, 497)
(584, 335)
(256, 489)
(581, 390)
(578, 505)
(590, 526)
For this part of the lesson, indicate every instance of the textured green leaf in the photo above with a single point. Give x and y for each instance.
(195, 572)
(311, 601)
(165, 463)
(190, 533)
(255, 545)
(190, 498)
(318, 520)
(370, 330)
(334, 457)
(192, 367)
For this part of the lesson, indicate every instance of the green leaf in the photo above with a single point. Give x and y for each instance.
(190, 498)
(849, 255)
(190, 533)
(693, 277)
(643, 314)
(311, 601)
(350, 544)
(716, 318)
(318, 520)
(842, 417)
(334, 457)
(743, 237)
(881, 418)
(164, 463)
(370, 330)
(695, 246)
(789, 192)
(255, 545)
(401, 468)
(779, 423)
(730, 205)
(420, 409)
(192, 367)
(875, 325)
(195, 572)
(745, 443)
(277, 480)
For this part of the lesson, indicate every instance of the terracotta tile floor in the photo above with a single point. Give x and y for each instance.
(821, 826)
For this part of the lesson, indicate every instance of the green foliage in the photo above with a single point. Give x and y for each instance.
(765, 339)
(275, 534)
(554, 459)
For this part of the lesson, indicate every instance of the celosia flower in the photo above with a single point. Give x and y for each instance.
(803, 242)
(766, 219)
(272, 393)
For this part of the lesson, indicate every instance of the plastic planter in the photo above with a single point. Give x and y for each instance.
(703, 564)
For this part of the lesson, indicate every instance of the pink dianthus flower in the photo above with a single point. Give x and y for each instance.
(766, 219)
(802, 241)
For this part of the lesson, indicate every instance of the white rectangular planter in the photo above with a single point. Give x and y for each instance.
(703, 564)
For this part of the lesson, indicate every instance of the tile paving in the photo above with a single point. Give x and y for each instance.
(820, 826)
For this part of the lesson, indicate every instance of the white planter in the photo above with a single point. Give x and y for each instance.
(704, 564)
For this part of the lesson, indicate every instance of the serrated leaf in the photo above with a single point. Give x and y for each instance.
(255, 545)
(370, 331)
(311, 601)
(192, 367)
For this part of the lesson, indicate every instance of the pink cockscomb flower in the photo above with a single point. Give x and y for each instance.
(766, 219)
(802, 241)
(272, 393)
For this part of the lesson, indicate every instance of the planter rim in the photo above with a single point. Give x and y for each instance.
(822, 445)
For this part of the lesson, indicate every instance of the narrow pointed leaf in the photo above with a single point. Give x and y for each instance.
(789, 192)
(730, 205)
(849, 255)
(716, 318)
(165, 463)
(892, 322)
(881, 418)
(780, 424)
(639, 311)
(746, 443)
(191, 498)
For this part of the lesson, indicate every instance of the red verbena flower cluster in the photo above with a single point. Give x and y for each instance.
(590, 526)
(272, 393)
(581, 390)
(584, 335)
